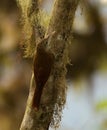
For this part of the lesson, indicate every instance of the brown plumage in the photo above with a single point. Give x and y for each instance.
(43, 62)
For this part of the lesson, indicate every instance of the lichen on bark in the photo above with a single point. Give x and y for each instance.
(54, 94)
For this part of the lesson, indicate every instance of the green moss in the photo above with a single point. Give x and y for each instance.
(34, 24)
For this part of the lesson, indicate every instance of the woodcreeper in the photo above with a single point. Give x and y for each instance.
(43, 62)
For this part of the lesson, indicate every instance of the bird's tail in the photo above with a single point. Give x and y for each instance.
(36, 98)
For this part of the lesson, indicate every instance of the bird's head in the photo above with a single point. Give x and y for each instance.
(42, 45)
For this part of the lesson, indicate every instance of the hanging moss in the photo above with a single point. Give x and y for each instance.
(34, 22)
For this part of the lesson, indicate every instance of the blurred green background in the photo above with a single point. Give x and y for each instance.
(86, 106)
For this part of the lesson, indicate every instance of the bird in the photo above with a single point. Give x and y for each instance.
(43, 62)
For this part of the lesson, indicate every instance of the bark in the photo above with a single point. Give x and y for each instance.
(54, 93)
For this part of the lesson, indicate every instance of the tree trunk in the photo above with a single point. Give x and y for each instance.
(54, 93)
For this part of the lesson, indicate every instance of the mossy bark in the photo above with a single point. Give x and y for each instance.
(54, 93)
